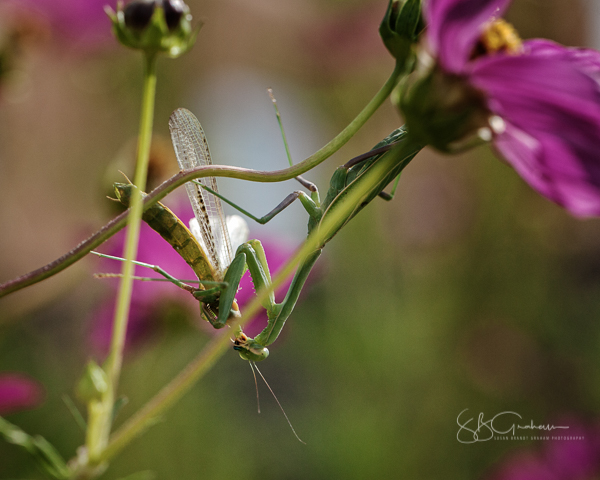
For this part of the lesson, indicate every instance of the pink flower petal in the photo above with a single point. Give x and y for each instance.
(585, 59)
(454, 26)
(552, 111)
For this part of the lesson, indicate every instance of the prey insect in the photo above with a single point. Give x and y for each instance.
(206, 246)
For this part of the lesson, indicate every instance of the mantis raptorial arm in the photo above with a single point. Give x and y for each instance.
(252, 255)
(276, 322)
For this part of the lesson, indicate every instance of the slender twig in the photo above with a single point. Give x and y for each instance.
(171, 184)
(101, 421)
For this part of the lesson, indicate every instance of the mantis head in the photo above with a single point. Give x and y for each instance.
(248, 348)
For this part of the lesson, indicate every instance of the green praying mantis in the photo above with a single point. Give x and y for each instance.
(206, 246)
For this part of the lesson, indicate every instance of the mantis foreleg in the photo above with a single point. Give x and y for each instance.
(280, 314)
(251, 255)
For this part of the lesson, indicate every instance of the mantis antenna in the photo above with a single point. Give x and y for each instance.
(256, 385)
(277, 400)
(305, 183)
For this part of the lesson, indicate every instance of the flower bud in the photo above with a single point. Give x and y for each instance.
(154, 26)
(400, 28)
(93, 385)
(137, 15)
(174, 11)
(443, 110)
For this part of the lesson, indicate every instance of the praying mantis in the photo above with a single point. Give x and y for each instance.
(208, 249)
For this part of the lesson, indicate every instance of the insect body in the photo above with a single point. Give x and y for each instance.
(207, 248)
(161, 219)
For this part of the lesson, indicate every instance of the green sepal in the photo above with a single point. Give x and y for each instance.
(46, 456)
(400, 29)
(156, 37)
(443, 110)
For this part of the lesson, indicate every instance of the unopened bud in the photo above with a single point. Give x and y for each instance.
(94, 383)
(400, 28)
(154, 26)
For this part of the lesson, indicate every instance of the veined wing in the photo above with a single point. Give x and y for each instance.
(191, 149)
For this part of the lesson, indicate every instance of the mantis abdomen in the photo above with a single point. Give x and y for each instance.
(162, 220)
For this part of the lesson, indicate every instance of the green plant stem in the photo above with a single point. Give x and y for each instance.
(168, 186)
(134, 220)
(218, 345)
(97, 441)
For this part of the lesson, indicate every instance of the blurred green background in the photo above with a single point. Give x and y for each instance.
(467, 291)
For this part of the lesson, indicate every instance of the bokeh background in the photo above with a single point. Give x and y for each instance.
(467, 291)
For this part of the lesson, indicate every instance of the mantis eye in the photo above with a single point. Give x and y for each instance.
(250, 350)
(253, 354)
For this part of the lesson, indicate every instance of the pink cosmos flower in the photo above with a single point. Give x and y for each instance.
(148, 297)
(18, 392)
(577, 459)
(547, 95)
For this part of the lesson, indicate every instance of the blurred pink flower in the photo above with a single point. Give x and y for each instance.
(82, 22)
(557, 459)
(148, 297)
(18, 392)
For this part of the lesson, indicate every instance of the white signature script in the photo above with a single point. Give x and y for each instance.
(497, 425)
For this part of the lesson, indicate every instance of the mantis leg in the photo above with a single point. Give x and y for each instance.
(170, 278)
(368, 155)
(284, 309)
(311, 187)
(254, 349)
(389, 196)
(208, 296)
(227, 307)
(310, 204)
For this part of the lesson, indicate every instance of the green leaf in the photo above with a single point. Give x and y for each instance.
(47, 457)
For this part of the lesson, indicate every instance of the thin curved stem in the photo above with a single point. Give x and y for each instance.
(168, 186)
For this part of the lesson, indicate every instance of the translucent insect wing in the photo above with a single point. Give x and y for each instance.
(191, 149)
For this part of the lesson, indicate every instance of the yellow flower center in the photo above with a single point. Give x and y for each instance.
(501, 36)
